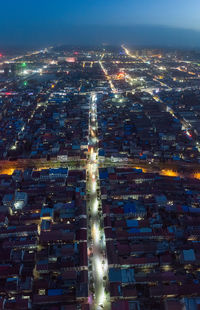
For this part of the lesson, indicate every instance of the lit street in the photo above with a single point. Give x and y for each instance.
(98, 274)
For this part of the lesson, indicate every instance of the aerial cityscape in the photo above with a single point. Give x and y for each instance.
(100, 156)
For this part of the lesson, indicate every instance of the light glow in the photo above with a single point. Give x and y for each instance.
(169, 173)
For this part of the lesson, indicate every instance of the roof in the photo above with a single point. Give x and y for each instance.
(189, 255)
(173, 305)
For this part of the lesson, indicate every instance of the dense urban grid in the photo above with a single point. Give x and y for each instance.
(100, 179)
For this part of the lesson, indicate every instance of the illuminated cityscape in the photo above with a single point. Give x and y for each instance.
(100, 179)
(100, 155)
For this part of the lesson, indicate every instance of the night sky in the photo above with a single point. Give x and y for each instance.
(68, 21)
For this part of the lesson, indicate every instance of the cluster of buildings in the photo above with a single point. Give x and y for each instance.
(138, 127)
(44, 112)
(152, 236)
(43, 240)
(153, 69)
(61, 130)
(185, 105)
(36, 127)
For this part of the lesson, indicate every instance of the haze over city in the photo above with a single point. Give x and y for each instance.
(144, 22)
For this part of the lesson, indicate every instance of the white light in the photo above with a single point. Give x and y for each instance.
(18, 205)
(106, 266)
(102, 297)
(95, 206)
(93, 157)
(98, 267)
(94, 187)
(96, 233)
(94, 167)
(94, 97)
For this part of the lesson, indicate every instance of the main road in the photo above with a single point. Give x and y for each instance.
(99, 297)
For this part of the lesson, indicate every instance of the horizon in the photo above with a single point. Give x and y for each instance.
(42, 23)
(138, 36)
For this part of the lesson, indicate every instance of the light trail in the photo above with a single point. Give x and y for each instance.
(114, 90)
(128, 53)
